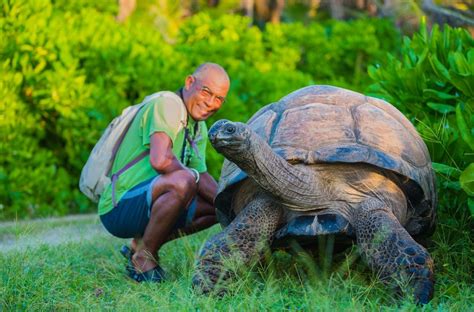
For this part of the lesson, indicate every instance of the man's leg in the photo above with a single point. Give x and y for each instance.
(171, 193)
(204, 217)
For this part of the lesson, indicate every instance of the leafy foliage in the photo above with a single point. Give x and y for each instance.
(67, 68)
(63, 77)
(433, 84)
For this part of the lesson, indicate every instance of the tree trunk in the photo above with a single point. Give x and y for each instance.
(212, 3)
(313, 8)
(268, 11)
(262, 11)
(337, 9)
(247, 8)
(388, 9)
(444, 15)
(371, 7)
(126, 8)
(360, 4)
(276, 7)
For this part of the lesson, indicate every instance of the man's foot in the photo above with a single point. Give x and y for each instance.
(143, 260)
(156, 275)
(135, 243)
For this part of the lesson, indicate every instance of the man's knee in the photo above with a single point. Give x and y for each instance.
(183, 183)
(186, 184)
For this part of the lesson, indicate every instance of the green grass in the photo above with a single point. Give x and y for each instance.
(80, 272)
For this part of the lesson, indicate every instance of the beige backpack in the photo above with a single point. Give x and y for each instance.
(95, 175)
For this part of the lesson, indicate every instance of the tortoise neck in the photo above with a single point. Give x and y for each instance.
(295, 187)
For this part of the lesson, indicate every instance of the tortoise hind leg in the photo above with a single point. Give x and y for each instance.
(243, 240)
(390, 250)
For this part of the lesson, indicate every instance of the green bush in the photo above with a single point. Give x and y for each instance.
(433, 84)
(331, 53)
(67, 68)
(64, 75)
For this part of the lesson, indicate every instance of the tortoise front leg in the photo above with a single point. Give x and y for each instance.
(391, 251)
(243, 240)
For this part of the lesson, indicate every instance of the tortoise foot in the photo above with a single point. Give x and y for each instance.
(424, 290)
(421, 280)
(210, 274)
(240, 244)
(391, 251)
(416, 264)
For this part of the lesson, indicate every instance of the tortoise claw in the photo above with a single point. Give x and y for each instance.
(210, 282)
(423, 291)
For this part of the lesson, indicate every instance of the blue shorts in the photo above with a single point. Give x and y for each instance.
(132, 213)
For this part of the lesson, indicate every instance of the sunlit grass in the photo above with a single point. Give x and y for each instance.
(88, 274)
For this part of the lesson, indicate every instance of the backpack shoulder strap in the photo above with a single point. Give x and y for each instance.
(124, 133)
(116, 175)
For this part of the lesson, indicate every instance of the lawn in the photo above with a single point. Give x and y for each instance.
(73, 264)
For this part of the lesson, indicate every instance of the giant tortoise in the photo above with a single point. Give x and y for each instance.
(324, 161)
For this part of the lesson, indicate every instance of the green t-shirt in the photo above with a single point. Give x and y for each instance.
(160, 115)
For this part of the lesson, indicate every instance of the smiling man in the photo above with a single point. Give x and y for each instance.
(168, 189)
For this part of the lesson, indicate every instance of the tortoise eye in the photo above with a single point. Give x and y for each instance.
(230, 129)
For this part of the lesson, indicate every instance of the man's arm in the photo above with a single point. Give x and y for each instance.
(162, 158)
(207, 187)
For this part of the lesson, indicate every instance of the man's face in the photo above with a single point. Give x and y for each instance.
(205, 96)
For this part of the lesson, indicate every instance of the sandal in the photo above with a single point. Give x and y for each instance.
(128, 253)
(156, 274)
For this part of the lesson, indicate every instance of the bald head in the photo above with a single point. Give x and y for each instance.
(205, 90)
(213, 71)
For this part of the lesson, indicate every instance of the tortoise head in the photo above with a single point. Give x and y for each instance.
(229, 137)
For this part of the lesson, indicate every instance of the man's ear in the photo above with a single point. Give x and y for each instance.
(189, 81)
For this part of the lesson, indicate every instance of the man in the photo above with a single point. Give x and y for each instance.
(169, 189)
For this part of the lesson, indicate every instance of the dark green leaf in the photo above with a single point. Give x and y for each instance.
(439, 68)
(446, 170)
(463, 83)
(438, 94)
(453, 185)
(463, 128)
(470, 204)
(459, 64)
(442, 108)
(467, 180)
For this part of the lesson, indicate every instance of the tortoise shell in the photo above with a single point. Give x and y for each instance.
(326, 124)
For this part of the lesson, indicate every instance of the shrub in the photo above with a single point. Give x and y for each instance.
(331, 53)
(64, 75)
(433, 84)
(67, 68)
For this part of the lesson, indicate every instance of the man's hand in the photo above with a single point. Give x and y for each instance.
(207, 187)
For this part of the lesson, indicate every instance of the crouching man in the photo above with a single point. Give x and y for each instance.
(168, 190)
